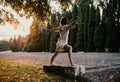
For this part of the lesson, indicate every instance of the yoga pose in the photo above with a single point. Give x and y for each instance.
(62, 43)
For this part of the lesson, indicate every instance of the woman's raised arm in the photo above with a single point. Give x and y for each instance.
(71, 25)
(57, 29)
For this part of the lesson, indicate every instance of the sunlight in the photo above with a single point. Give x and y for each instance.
(22, 24)
(8, 30)
(55, 6)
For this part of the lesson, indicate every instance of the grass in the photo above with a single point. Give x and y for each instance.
(14, 72)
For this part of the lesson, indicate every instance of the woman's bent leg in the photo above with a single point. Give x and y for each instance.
(69, 48)
(54, 56)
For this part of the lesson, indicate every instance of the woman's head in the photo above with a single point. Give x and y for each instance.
(63, 21)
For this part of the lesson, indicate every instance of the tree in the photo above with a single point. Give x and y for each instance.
(113, 30)
(73, 32)
(35, 41)
(16, 44)
(100, 37)
(40, 10)
(91, 29)
(99, 33)
(84, 9)
(80, 32)
(54, 35)
(4, 45)
(13, 44)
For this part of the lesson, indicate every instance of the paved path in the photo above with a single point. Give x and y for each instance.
(43, 58)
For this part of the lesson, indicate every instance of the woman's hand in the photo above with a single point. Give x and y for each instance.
(77, 20)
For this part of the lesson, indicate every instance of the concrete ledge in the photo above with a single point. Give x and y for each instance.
(72, 71)
(81, 73)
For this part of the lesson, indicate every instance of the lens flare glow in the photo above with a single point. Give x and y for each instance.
(8, 30)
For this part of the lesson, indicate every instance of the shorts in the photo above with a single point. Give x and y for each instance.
(60, 46)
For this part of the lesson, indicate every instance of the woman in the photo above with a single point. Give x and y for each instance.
(62, 43)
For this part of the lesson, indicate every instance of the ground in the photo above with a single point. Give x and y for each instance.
(38, 59)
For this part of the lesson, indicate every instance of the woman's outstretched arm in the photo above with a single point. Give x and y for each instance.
(57, 29)
(71, 25)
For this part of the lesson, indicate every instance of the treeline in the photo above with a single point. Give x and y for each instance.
(4, 45)
(15, 44)
(37, 40)
(98, 31)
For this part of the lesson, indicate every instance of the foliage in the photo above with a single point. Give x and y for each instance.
(14, 72)
(98, 30)
(4, 45)
(40, 10)
(34, 39)
(83, 29)
(91, 29)
(54, 35)
(113, 24)
(73, 35)
(16, 44)
(100, 36)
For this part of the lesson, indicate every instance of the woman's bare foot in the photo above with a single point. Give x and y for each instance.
(53, 64)
(73, 64)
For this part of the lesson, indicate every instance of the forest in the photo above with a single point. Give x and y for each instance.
(98, 31)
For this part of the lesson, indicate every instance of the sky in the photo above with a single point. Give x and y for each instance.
(7, 31)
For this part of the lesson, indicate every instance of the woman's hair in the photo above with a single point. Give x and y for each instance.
(63, 21)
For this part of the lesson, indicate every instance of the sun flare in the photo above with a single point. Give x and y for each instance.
(22, 24)
(8, 30)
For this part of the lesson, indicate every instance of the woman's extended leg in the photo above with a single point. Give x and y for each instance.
(54, 56)
(69, 48)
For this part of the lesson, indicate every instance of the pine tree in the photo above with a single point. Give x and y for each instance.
(73, 32)
(116, 5)
(91, 28)
(112, 26)
(54, 35)
(100, 37)
(13, 46)
(47, 38)
(100, 32)
(83, 13)
(118, 22)
(79, 43)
